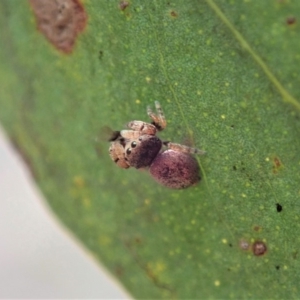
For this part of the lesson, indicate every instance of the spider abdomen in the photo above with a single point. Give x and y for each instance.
(175, 169)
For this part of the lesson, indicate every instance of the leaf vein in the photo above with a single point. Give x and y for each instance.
(287, 97)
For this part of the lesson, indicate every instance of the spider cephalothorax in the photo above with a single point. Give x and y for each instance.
(139, 147)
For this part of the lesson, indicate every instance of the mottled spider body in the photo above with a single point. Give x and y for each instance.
(139, 147)
(175, 169)
(141, 152)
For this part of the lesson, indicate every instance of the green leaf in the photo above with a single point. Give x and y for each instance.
(227, 76)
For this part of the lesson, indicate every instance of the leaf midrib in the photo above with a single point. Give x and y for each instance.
(287, 97)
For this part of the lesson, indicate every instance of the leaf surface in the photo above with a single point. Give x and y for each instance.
(227, 76)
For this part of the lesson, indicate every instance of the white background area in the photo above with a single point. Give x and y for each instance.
(38, 257)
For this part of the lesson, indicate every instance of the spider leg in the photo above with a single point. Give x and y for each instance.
(158, 120)
(114, 136)
(183, 148)
(161, 115)
(116, 152)
(142, 127)
(130, 134)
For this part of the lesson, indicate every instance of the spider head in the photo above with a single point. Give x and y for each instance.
(140, 152)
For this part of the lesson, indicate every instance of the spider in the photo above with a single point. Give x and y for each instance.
(139, 147)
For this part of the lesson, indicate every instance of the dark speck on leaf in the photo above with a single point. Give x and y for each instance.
(278, 207)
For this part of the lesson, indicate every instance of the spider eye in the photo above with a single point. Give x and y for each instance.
(133, 144)
(128, 151)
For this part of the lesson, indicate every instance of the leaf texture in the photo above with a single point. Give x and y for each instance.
(227, 76)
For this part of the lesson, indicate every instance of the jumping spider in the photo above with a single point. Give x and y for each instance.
(139, 147)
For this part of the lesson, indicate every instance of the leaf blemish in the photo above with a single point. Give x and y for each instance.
(290, 20)
(277, 162)
(277, 165)
(278, 207)
(173, 14)
(60, 21)
(259, 248)
(256, 228)
(123, 5)
(244, 245)
(100, 54)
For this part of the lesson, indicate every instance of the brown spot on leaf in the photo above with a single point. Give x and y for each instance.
(60, 21)
(277, 165)
(277, 162)
(290, 20)
(174, 14)
(256, 228)
(123, 5)
(259, 248)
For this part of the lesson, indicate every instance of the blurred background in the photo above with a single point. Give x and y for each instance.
(39, 258)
